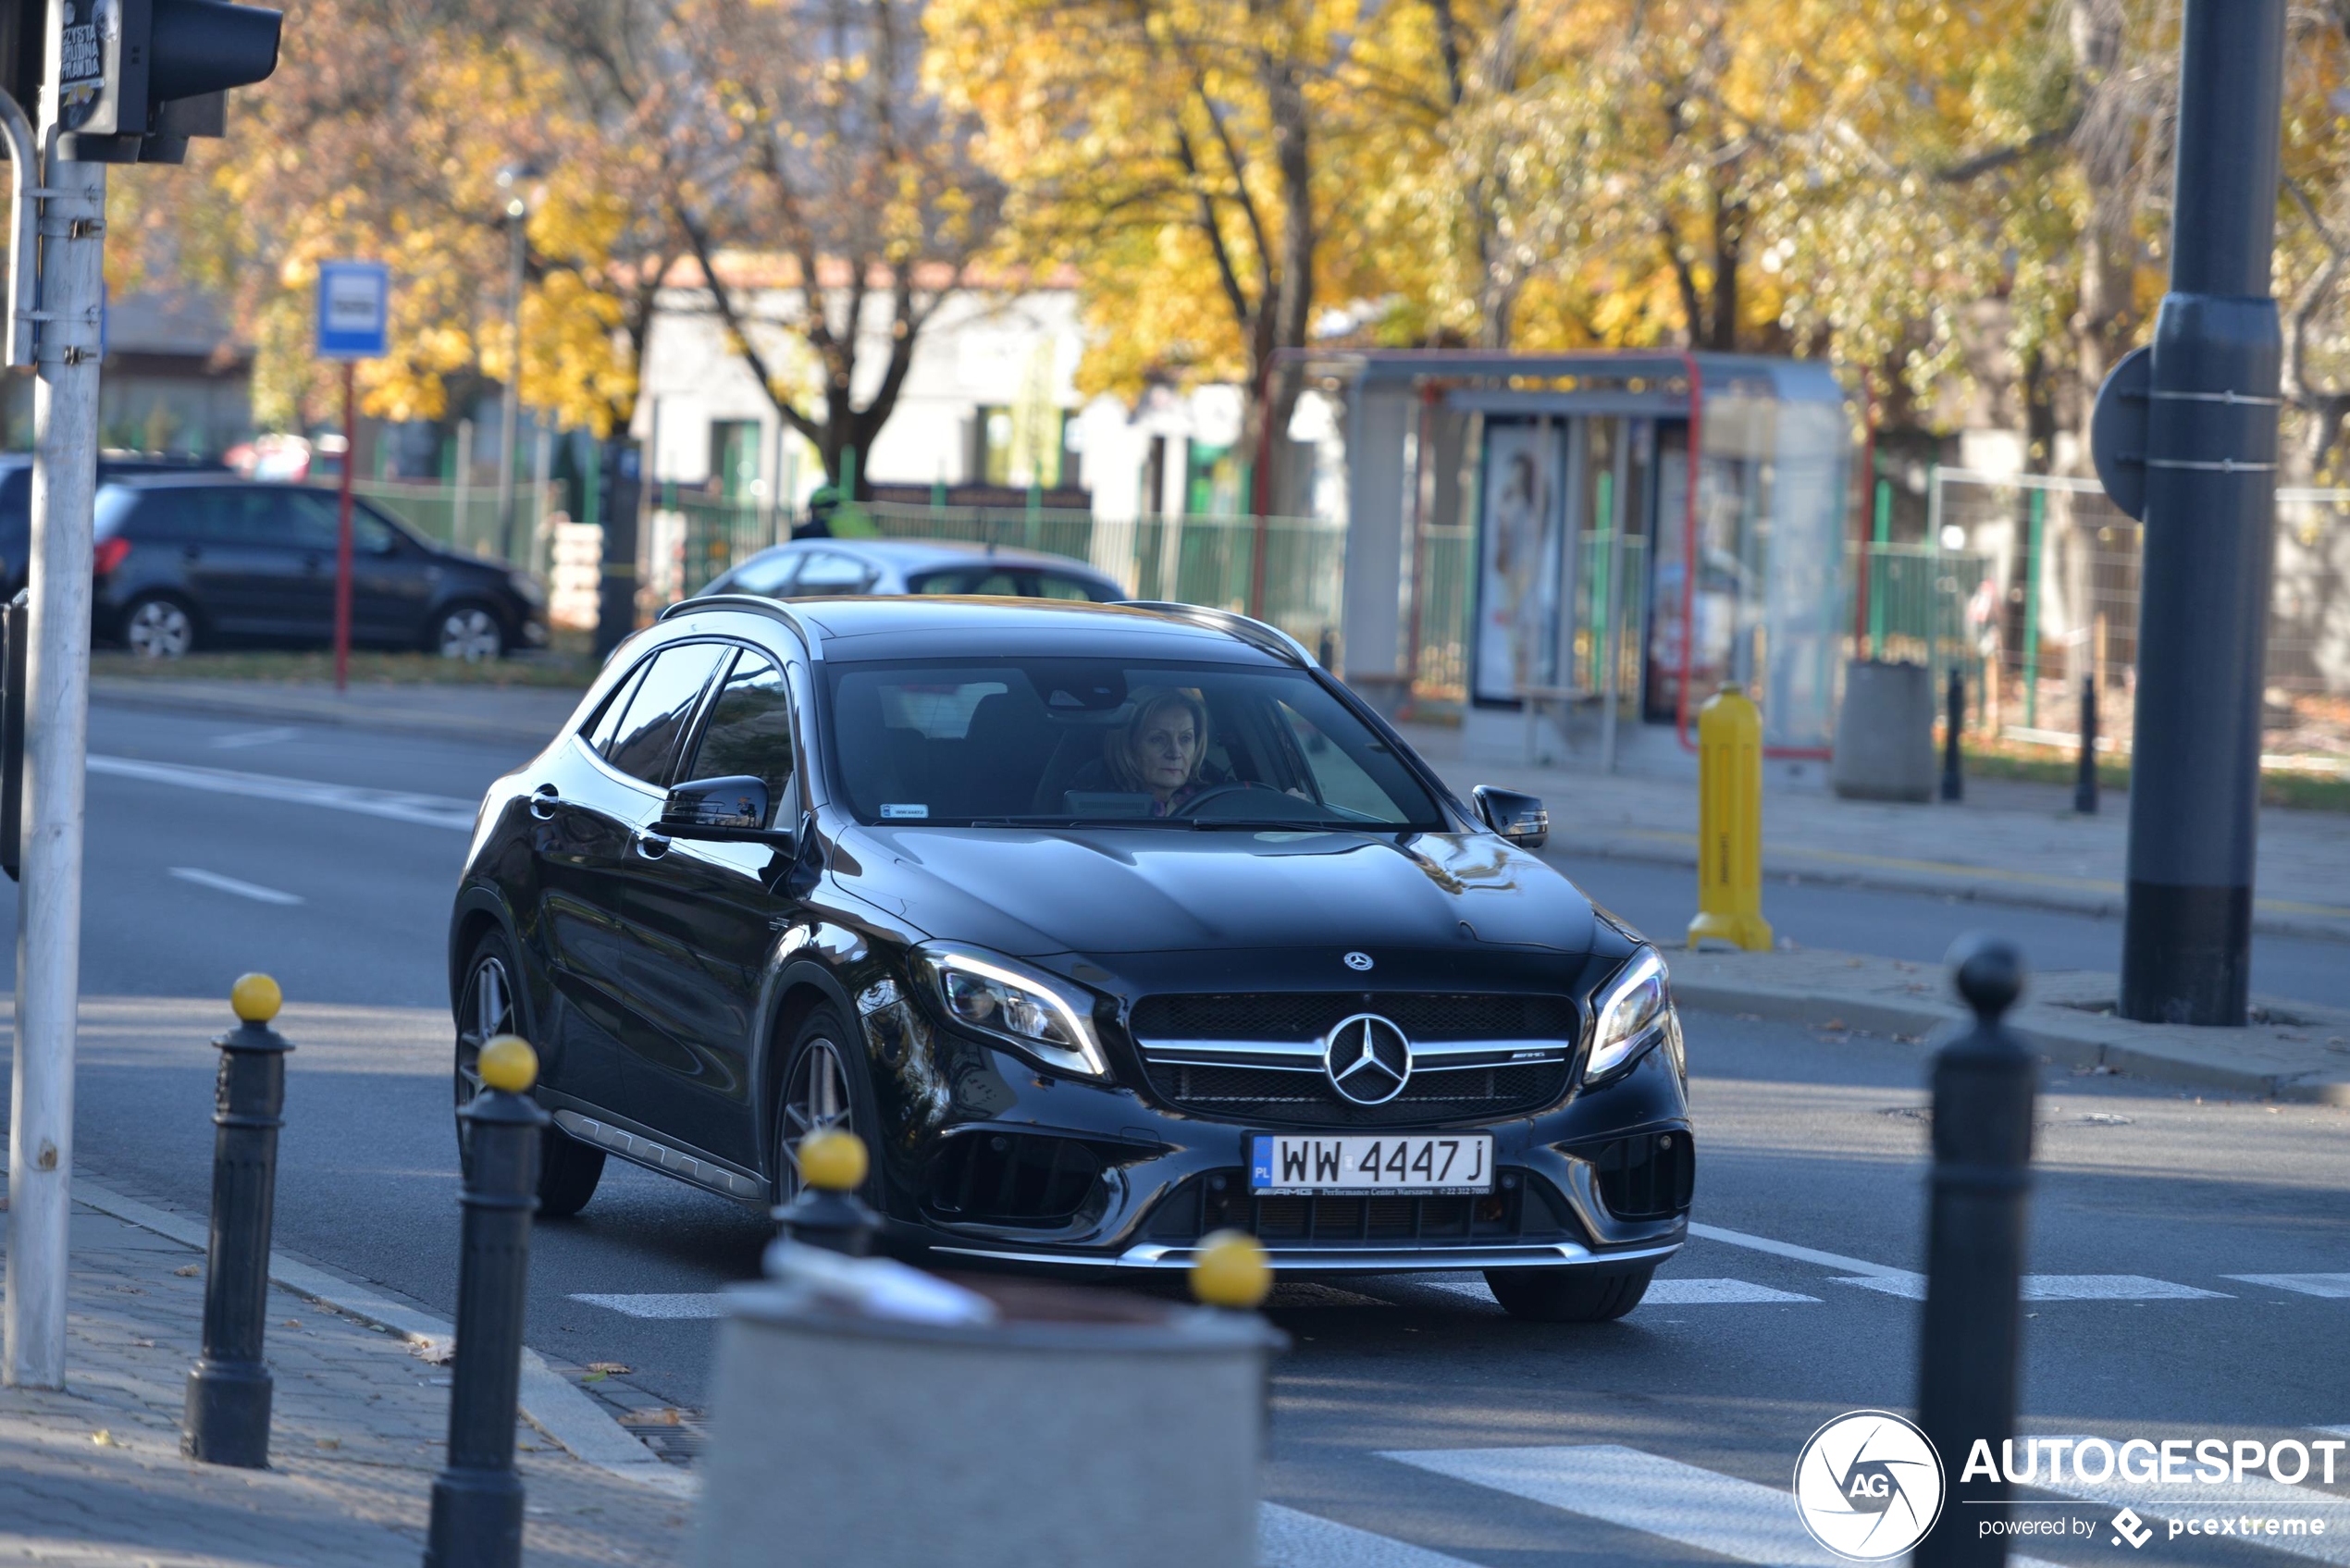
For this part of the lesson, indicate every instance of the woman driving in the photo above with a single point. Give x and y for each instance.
(1161, 752)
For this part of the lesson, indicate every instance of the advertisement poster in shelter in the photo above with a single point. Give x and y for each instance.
(1525, 571)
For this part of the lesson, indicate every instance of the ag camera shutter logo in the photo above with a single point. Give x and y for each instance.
(1867, 1485)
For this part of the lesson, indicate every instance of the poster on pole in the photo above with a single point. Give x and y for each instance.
(354, 310)
(1522, 562)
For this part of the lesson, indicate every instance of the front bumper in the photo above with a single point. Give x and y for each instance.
(1347, 1260)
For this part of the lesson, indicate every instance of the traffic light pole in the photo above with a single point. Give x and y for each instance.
(2210, 460)
(64, 420)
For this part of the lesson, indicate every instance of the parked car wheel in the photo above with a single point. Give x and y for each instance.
(1567, 1295)
(568, 1169)
(470, 632)
(824, 1087)
(158, 626)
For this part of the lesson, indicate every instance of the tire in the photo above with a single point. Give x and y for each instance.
(568, 1169)
(1569, 1295)
(814, 1096)
(159, 626)
(469, 629)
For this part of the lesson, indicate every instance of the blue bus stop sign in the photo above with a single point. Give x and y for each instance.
(354, 309)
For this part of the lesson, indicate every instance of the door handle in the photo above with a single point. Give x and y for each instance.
(543, 802)
(651, 845)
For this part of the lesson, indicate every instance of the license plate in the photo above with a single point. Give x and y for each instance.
(1410, 1162)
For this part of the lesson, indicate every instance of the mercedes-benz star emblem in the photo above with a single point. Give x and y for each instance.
(1368, 1058)
(1358, 962)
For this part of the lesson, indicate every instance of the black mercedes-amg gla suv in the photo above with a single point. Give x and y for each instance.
(1107, 927)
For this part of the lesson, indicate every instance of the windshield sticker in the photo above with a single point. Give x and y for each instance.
(902, 813)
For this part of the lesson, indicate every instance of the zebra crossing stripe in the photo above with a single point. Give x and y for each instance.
(1654, 1496)
(1288, 1539)
(689, 1305)
(2059, 1288)
(2333, 1286)
(2254, 1495)
(1663, 1292)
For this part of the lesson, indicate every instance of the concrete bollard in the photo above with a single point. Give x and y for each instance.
(1954, 724)
(1967, 1352)
(2084, 782)
(230, 1389)
(477, 1498)
(1729, 822)
(868, 1412)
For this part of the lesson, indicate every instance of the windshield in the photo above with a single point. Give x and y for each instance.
(1057, 741)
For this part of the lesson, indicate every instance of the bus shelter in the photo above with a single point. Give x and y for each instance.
(1640, 529)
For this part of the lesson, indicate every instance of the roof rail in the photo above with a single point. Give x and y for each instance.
(1256, 633)
(758, 604)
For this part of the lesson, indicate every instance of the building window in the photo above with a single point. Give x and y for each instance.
(1021, 447)
(734, 458)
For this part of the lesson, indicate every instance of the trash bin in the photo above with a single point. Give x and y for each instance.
(1885, 733)
(1057, 1424)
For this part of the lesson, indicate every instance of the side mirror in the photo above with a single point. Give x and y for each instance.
(1521, 818)
(734, 808)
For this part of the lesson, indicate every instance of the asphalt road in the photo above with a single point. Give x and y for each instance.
(1664, 1437)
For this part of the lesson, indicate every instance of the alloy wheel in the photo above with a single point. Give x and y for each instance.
(159, 629)
(487, 1011)
(470, 634)
(816, 1098)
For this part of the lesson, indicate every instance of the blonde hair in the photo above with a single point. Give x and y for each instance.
(1148, 701)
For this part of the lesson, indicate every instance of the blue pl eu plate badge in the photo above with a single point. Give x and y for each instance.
(1260, 1162)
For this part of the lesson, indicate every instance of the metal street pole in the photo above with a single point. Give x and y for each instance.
(343, 526)
(65, 423)
(2210, 459)
(510, 402)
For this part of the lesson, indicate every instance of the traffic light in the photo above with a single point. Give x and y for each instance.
(139, 77)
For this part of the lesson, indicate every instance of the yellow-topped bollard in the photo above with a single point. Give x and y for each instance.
(508, 1063)
(255, 998)
(1729, 822)
(1230, 1271)
(833, 1160)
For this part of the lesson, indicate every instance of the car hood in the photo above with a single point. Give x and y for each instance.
(1136, 890)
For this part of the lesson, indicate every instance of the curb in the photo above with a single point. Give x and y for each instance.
(2066, 1036)
(1986, 885)
(299, 709)
(548, 1401)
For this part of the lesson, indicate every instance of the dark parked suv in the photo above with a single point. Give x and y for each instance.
(16, 502)
(1107, 927)
(189, 560)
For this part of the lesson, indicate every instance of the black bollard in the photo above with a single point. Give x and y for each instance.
(477, 1498)
(828, 1212)
(1953, 787)
(227, 1420)
(1967, 1355)
(2085, 787)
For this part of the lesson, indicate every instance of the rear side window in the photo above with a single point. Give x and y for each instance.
(212, 515)
(604, 728)
(829, 572)
(659, 709)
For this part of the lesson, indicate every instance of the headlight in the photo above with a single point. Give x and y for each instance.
(999, 997)
(1635, 1012)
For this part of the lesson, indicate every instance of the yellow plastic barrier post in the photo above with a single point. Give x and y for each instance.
(1729, 823)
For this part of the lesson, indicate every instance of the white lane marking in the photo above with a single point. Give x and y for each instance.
(429, 810)
(1288, 1539)
(1640, 1491)
(1801, 1254)
(1661, 1293)
(2254, 1495)
(2334, 1287)
(2065, 1288)
(703, 1304)
(253, 891)
(243, 738)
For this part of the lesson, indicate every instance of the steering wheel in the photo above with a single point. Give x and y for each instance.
(1265, 800)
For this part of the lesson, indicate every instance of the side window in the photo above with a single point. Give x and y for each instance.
(829, 572)
(660, 708)
(604, 728)
(748, 730)
(370, 536)
(222, 515)
(1049, 586)
(766, 573)
(309, 520)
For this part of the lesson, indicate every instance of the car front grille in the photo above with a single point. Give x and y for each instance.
(1310, 1015)
(1274, 1096)
(1222, 1201)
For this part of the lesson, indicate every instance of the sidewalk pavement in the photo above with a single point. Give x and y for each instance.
(92, 1476)
(527, 714)
(2008, 843)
